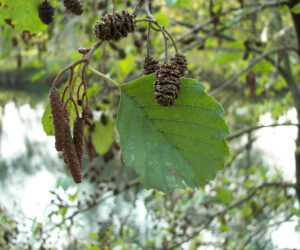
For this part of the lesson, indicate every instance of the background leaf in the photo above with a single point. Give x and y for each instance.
(296, 9)
(24, 15)
(170, 2)
(103, 137)
(177, 146)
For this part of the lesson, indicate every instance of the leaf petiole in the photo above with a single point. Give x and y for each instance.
(104, 76)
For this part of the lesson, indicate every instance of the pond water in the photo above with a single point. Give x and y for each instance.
(29, 164)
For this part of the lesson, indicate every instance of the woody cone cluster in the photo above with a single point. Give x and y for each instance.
(150, 65)
(74, 6)
(115, 26)
(46, 12)
(167, 84)
(72, 147)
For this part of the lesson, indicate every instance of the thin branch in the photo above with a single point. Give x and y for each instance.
(149, 40)
(71, 66)
(173, 42)
(149, 14)
(247, 130)
(233, 205)
(138, 7)
(233, 79)
(212, 19)
(131, 184)
(92, 50)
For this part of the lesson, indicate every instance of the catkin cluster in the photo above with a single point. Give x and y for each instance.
(167, 84)
(74, 6)
(46, 12)
(72, 147)
(167, 78)
(114, 26)
(150, 65)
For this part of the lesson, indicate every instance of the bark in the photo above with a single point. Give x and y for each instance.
(296, 20)
(297, 160)
(294, 88)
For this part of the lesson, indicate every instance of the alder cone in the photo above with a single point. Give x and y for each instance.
(78, 134)
(58, 119)
(167, 84)
(74, 6)
(70, 155)
(46, 12)
(114, 26)
(180, 62)
(150, 65)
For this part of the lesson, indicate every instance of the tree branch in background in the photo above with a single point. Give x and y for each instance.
(247, 130)
(138, 7)
(233, 79)
(90, 206)
(296, 20)
(261, 6)
(238, 203)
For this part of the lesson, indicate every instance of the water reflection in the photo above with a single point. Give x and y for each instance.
(30, 168)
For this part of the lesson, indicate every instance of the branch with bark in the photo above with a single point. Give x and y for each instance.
(210, 218)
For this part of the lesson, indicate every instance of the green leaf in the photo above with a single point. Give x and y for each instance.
(162, 18)
(24, 15)
(176, 146)
(125, 66)
(102, 137)
(224, 228)
(47, 121)
(73, 196)
(170, 2)
(94, 248)
(223, 196)
(296, 9)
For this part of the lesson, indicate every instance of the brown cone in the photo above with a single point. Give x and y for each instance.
(114, 26)
(167, 84)
(150, 65)
(180, 62)
(74, 6)
(46, 12)
(58, 118)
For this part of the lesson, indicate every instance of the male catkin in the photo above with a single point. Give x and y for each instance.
(58, 118)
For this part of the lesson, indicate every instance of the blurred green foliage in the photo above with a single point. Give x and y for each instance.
(238, 210)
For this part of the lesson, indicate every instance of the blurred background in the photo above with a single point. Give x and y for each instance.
(244, 52)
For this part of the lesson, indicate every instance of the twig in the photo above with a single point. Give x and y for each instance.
(249, 66)
(247, 130)
(148, 40)
(149, 14)
(71, 66)
(173, 42)
(92, 50)
(210, 20)
(138, 7)
(131, 184)
(233, 205)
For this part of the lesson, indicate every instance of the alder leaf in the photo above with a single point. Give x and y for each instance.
(176, 146)
(102, 137)
(296, 9)
(23, 15)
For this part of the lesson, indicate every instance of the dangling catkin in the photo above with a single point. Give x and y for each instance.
(78, 133)
(70, 155)
(58, 118)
